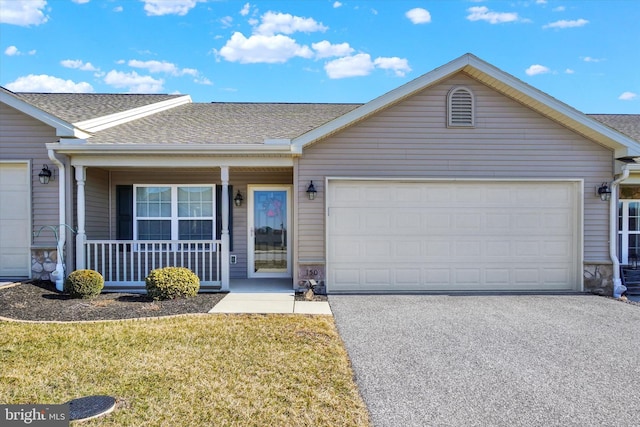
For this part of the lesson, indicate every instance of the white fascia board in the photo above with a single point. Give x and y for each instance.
(105, 122)
(205, 149)
(63, 128)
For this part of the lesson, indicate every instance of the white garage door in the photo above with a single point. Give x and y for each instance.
(453, 235)
(14, 220)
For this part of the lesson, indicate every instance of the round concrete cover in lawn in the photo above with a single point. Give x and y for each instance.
(85, 408)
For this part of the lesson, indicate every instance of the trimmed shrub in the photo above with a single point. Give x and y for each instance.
(172, 282)
(84, 284)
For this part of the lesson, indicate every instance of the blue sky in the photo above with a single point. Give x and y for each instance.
(584, 53)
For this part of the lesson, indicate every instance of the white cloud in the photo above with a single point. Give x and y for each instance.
(11, 51)
(559, 9)
(134, 82)
(118, 9)
(245, 9)
(541, 1)
(563, 23)
(81, 1)
(49, 84)
(169, 7)
(569, 71)
(399, 66)
(203, 81)
(591, 59)
(536, 69)
(325, 49)
(262, 49)
(337, 4)
(162, 67)
(23, 12)
(78, 65)
(284, 23)
(628, 96)
(482, 13)
(350, 66)
(226, 21)
(419, 15)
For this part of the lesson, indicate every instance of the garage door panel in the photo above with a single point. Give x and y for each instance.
(14, 220)
(448, 236)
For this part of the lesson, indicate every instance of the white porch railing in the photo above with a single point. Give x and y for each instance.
(128, 262)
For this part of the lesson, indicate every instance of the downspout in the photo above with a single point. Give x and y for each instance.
(618, 287)
(58, 274)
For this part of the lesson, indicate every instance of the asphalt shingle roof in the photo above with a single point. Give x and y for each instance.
(223, 123)
(77, 107)
(628, 124)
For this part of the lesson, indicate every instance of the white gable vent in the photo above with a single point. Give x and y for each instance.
(460, 107)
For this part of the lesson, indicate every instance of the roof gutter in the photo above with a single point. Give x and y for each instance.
(618, 287)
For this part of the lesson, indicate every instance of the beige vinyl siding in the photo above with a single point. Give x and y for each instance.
(239, 178)
(23, 138)
(97, 223)
(411, 140)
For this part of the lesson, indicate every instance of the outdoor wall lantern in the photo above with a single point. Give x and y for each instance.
(238, 199)
(604, 192)
(311, 191)
(44, 175)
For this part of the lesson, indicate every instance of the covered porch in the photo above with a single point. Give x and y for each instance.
(133, 214)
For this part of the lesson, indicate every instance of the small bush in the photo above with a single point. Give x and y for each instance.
(171, 283)
(84, 284)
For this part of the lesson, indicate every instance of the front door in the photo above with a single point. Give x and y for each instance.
(269, 222)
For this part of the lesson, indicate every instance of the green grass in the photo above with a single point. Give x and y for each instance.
(222, 370)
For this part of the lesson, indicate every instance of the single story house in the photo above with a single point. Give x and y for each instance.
(464, 179)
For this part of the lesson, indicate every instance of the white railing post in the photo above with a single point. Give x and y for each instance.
(81, 236)
(224, 258)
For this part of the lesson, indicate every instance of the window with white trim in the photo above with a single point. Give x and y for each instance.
(174, 212)
(460, 107)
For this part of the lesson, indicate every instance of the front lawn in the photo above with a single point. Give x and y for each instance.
(223, 370)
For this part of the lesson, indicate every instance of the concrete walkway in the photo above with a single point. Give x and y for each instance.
(268, 302)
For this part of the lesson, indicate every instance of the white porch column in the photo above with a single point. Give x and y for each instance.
(81, 236)
(224, 177)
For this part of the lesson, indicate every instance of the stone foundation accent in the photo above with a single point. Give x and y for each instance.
(598, 279)
(43, 263)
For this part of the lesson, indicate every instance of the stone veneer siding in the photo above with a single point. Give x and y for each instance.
(598, 278)
(43, 263)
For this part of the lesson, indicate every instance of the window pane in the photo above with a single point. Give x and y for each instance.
(154, 230)
(195, 229)
(195, 202)
(153, 202)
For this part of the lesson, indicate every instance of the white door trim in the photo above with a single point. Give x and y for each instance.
(251, 188)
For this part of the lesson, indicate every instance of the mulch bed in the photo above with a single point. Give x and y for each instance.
(39, 300)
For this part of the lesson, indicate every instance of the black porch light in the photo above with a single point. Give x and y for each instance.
(311, 191)
(604, 192)
(238, 199)
(44, 175)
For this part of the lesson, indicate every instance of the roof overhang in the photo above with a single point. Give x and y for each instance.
(63, 128)
(496, 79)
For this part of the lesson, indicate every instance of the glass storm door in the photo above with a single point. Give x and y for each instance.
(629, 231)
(269, 238)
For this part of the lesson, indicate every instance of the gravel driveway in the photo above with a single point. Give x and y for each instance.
(425, 360)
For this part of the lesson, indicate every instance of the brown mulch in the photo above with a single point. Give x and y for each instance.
(39, 300)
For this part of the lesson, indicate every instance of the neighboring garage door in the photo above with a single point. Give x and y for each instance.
(453, 235)
(14, 220)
